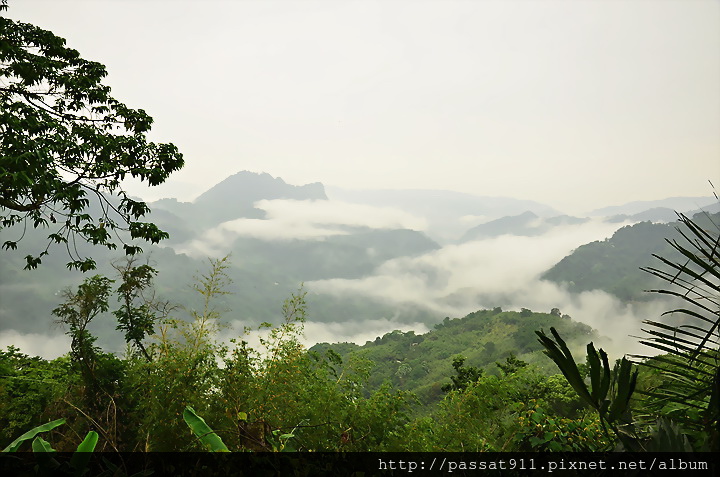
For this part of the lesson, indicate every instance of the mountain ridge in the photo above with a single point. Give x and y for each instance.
(260, 186)
(235, 197)
(681, 204)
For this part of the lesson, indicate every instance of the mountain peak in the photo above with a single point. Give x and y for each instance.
(247, 187)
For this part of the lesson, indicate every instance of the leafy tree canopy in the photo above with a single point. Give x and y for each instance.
(465, 376)
(66, 145)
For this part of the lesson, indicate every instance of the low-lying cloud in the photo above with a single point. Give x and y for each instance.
(302, 219)
(340, 213)
(502, 265)
(502, 271)
(452, 281)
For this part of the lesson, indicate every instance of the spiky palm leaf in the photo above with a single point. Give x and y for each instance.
(691, 361)
(610, 388)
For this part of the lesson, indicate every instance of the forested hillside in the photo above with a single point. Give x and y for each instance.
(334, 397)
(613, 265)
(422, 363)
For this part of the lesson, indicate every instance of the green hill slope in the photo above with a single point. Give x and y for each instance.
(423, 363)
(613, 265)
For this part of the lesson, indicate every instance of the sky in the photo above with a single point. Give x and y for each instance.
(577, 105)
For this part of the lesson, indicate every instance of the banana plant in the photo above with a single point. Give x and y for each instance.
(33, 433)
(203, 432)
(41, 445)
(691, 361)
(79, 460)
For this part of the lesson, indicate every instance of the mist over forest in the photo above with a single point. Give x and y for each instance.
(351, 227)
(396, 296)
(369, 266)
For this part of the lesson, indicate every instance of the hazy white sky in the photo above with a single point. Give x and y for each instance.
(577, 104)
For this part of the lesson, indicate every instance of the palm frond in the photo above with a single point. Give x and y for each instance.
(691, 364)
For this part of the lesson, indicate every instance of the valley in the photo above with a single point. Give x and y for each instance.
(368, 268)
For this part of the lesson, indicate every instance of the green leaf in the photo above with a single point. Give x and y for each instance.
(625, 386)
(9, 245)
(41, 445)
(203, 432)
(82, 455)
(600, 384)
(562, 356)
(14, 445)
(595, 372)
(88, 444)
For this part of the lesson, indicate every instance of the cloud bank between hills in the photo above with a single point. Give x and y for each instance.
(453, 280)
(502, 271)
(300, 219)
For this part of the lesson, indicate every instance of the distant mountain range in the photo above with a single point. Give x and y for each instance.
(526, 224)
(246, 187)
(656, 214)
(448, 213)
(265, 271)
(530, 224)
(690, 205)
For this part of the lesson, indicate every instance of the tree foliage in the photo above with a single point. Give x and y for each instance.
(609, 391)
(79, 309)
(139, 309)
(66, 145)
(464, 375)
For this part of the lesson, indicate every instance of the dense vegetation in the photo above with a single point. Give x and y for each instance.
(402, 392)
(422, 363)
(278, 395)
